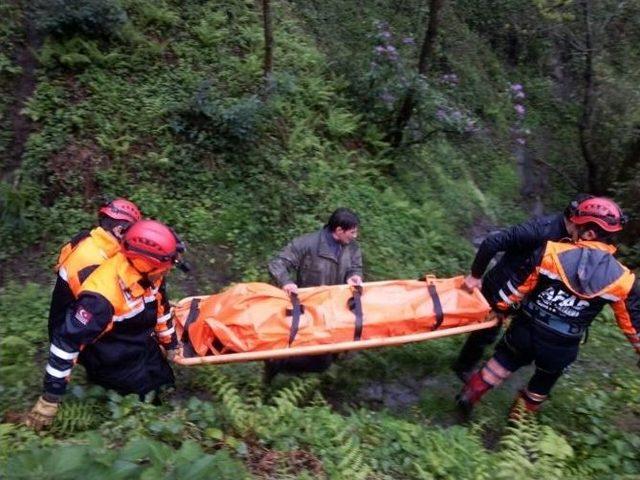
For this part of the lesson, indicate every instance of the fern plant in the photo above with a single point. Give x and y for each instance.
(531, 450)
(76, 416)
(351, 463)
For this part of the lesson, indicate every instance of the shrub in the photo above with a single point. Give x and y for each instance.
(93, 18)
(210, 120)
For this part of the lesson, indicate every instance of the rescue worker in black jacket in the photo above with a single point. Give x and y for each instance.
(517, 243)
(85, 252)
(116, 326)
(568, 286)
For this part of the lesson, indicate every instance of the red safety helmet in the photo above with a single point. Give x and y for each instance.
(602, 211)
(151, 246)
(121, 209)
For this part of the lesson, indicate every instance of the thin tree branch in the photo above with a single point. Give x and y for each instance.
(557, 170)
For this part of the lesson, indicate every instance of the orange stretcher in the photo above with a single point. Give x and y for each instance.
(257, 321)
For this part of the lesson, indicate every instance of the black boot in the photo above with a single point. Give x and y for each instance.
(271, 369)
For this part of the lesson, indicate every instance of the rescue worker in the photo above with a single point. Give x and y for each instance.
(517, 243)
(116, 326)
(329, 256)
(567, 288)
(85, 252)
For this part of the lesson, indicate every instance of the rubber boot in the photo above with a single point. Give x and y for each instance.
(471, 393)
(525, 403)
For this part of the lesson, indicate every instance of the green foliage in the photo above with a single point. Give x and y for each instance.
(172, 112)
(211, 122)
(7, 66)
(76, 416)
(23, 333)
(138, 458)
(93, 18)
(530, 450)
(76, 53)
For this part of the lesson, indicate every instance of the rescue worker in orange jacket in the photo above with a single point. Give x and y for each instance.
(568, 287)
(85, 252)
(517, 243)
(116, 326)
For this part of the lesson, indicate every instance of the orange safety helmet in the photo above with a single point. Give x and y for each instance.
(602, 211)
(151, 246)
(121, 209)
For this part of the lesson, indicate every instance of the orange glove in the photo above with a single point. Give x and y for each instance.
(42, 414)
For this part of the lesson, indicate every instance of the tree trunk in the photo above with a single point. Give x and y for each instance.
(631, 161)
(429, 43)
(426, 54)
(268, 42)
(585, 123)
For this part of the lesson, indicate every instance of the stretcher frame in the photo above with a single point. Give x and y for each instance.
(332, 347)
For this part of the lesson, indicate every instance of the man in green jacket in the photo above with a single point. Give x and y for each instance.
(329, 256)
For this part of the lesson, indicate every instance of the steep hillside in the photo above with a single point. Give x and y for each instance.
(166, 102)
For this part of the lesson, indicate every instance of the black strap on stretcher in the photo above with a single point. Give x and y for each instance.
(355, 305)
(437, 306)
(294, 313)
(194, 310)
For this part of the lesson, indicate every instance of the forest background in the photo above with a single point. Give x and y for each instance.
(244, 123)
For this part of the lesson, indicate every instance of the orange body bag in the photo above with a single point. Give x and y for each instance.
(251, 317)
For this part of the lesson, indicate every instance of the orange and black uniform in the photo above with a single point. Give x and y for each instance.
(569, 286)
(114, 330)
(76, 261)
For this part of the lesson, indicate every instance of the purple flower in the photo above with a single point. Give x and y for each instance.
(521, 141)
(380, 49)
(381, 25)
(387, 97)
(408, 41)
(471, 126)
(392, 53)
(386, 34)
(451, 79)
(441, 114)
(519, 95)
(520, 110)
(456, 115)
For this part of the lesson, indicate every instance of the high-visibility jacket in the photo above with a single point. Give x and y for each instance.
(76, 261)
(114, 330)
(572, 282)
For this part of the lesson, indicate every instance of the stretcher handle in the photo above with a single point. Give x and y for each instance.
(334, 347)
